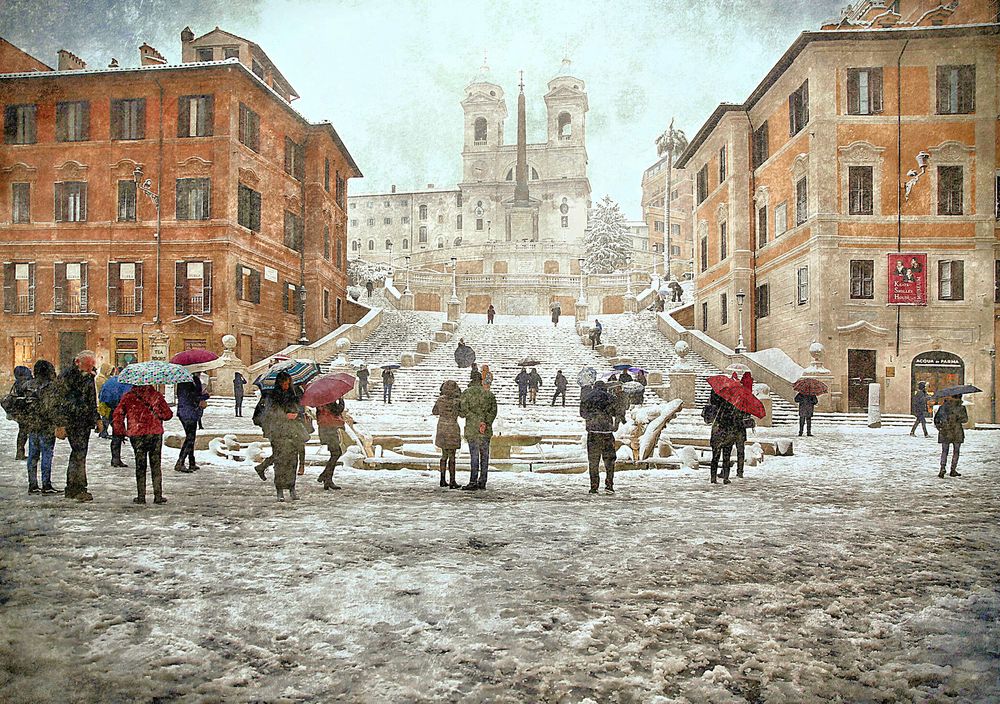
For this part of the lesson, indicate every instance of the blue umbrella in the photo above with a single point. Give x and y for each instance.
(113, 390)
(957, 391)
(390, 366)
(301, 371)
(620, 367)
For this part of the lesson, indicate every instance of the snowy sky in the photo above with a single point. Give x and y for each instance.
(394, 95)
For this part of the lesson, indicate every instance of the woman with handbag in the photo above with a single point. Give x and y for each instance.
(285, 427)
(330, 419)
(139, 416)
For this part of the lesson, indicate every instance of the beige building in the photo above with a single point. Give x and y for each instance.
(871, 141)
(654, 184)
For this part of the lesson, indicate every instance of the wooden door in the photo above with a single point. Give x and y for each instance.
(860, 373)
(24, 351)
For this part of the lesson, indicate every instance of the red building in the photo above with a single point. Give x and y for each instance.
(236, 225)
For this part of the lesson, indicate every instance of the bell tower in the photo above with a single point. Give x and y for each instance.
(485, 112)
(566, 105)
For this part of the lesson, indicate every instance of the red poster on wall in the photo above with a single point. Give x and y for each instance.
(907, 279)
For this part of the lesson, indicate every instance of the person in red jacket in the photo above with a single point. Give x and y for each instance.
(139, 416)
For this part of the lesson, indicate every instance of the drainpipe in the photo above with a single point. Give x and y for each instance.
(752, 293)
(899, 174)
(159, 231)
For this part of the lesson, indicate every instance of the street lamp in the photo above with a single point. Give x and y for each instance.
(581, 300)
(146, 186)
(740, 295)
(407, 289)
(454, 280)
(666, 143)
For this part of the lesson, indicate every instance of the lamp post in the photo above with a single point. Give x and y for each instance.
(666, 143)
(581, 300)
(159, 342)
(628, 281)
(389, 246)
(740, 295)
(407, 289)
(454, 280)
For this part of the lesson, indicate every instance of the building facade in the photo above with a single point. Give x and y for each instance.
(479, 222)
(654, 185)
(240, 205)
(853, 200)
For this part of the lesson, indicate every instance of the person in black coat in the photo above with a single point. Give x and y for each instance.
(534, 383)
(561, 385)
(598, 409)
(363, 375)
(22, 375)
(807, 402)
(40, 420)
(78, 416)
(727, 430)
(239, 381)
(918, 407)
(522, 380)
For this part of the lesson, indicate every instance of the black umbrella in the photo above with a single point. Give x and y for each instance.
(957, 391)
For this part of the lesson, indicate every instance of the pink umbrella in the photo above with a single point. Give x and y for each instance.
(197, 360)
(327, 389)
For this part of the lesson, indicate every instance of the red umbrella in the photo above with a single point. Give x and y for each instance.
(810, 387)
(327, 389)
(194, 356)
(733, 392)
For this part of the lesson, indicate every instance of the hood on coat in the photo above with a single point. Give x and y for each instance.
(22, 373)
(44, 369)
(450, 388)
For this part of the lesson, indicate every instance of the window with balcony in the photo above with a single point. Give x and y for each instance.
(19, 288)
(73, 121)
(20, 205)
(195, 115)
(128, 119)
(249, 128)
(247, 284)
(193, 287)
(864, 91)
(19, 124)
(71, 201)
(70, 287)
(248, 208)
(194, 198)
(862, 279)
(126, 200)
(124, 288)
(956, 90)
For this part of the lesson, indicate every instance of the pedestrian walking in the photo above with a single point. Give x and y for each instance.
(727, 425)
(677, 293)
(191, 401)
(105, 371)
(595, 334)
(370, 287)
(487, 377)
(331, 422)
(918, 407)
(239, 382)
(465, 356)
(490, 314)
(77, 418)
(448, 437)
(556, 311)
(139, 415)
(522, 382)
(479, 408)
(746, 422)
(363, 375)
(388, 379)
(203, 379)
(598, 409)
(807, 402)
(287, 432)
(13, 404)
(561, 384)
(950, 420)
(40, 417)
(259, 419)
(534, 383)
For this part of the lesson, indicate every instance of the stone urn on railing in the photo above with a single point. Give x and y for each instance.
(817, 370)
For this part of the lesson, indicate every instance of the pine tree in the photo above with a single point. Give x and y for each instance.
(608, 244)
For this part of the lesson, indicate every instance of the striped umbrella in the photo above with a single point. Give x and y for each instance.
(301, 371)
(153, 373)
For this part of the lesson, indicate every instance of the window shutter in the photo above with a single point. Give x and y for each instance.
(31, 287)
(9, 301)
(58, 286)
(206, 198)
(184, 116)
(255, 211)
(804, 103)
(209, 118)
(239, 281)
(83, 202)
(284, 297)
(791, 113)
(958, 280)
(140, 132)
(300, 161)
(967, 89)
(243, 123)
(180, 288)
(853, 96)
(182, 200)
(59, 190)
(137, 288)
(85, 120)
(114, 288)
(255, 286)
(84, 289)
(207, 289)
(875, 89)
(10, 124)
(116, 119)
(62, 117)
(943, 100)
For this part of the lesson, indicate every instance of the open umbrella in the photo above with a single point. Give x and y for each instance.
(151, 373)
(327, 389)
(112, 391)
(197, 360)
(733, 392)
(957, 391)
(390, 366)
(621, 367)
(636, 370)
(529, 361)
(810, 387)
(301, 371)
(587, 376)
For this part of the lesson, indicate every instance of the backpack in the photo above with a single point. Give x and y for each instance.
(15, 404)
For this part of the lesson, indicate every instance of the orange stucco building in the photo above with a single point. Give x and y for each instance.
(874, 137)
(252, 200)
(654, 185)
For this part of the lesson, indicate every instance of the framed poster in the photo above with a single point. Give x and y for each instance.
(907, 279)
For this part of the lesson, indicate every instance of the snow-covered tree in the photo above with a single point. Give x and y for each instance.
(608, 244)
(360, 272)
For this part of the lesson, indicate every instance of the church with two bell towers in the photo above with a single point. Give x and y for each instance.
(519, 207)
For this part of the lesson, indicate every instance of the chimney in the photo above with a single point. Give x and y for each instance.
(70, 62)
(148, 56)
(114, 63)
(430, 185)
(394, 188)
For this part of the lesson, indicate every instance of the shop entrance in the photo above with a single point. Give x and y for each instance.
(938, 369)
(860, 373)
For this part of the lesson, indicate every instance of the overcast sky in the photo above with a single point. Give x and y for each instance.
(390, 74)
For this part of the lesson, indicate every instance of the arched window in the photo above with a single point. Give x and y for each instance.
(406, 243)
(423, 235)
(423, 212)
(440, 242)
(565, 126)
(356, 245)
(510, 175)
(371, 245)
(480, 130)
(534, 174)
(388, 245)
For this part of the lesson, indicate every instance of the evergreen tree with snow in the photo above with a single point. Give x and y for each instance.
(608, 244)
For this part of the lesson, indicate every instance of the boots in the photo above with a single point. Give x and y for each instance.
(954, 473)
(292, 494)
(444, 466)
(941, 473)
(452, 484)
(281, 494)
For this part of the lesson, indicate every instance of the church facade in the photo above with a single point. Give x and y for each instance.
(519, 208)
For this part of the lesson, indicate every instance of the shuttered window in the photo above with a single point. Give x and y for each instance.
(864, 91)
(761, 226)
(798, 109)
(249, 128)
(862, 278)
(19, 288)
(247, 284)
(73, 121)
(763, 301)
(702, 183)
(128, 119)
(293, 231)
(19, 124)
(859, 180)
(956, 90)
(195, 115)
(760, 145)
(951, 280)
(802, 285)
(193, 287)
(124, 288)
(801, 201)
(249, 208)
(70, 290)
(71, 201)
(194, 198)
(126, 200)
(295, 159)
(704, 253)
(20, 207)
(950, 190)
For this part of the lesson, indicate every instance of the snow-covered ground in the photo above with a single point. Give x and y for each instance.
(846, 573)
